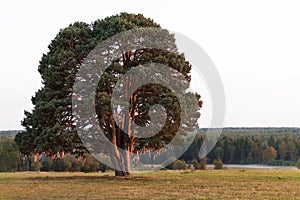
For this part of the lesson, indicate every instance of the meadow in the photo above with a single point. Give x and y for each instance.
(208, 184)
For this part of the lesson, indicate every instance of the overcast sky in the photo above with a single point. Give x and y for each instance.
(255, 46)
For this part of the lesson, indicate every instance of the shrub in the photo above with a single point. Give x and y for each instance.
(46, 164)
(179, 164)
(103, 167)
(203, 164)
(298, 164)
(169, 166)
(76, 167)
(196, 164)
(90, 164)
(218, 164)
(36, 166)
(61, 165)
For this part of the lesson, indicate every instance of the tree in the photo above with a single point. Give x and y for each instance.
(298, 163)
(218, 164)
(269, 154)
(282, 149)
(254, 150)
(179, 165)
(250, 159)
(9, 155)
(195, 163)
(219, 152)
(272, 142)
(292, 150)
(231, 152)
(51, 126)
(202, 165)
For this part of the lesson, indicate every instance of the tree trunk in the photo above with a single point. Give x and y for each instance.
(121, 173)
(123, 163)
(121, 160)
(122, 139)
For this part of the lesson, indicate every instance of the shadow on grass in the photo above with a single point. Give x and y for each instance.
(92, 178)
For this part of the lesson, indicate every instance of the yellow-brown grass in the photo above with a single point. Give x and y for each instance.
(210, 184)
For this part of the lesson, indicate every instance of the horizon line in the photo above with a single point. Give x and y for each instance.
(226, 127)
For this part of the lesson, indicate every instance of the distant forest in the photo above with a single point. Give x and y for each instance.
(270, 146)
(10, 133)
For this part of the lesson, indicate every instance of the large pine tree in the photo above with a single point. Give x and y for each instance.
(50, 126)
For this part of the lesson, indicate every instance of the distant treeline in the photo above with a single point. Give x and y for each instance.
(273, 146)
(10, 133)
(12, 160)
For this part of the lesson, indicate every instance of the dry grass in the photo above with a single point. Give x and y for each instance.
(210, 184)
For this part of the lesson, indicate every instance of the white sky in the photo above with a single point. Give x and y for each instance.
(255, 46)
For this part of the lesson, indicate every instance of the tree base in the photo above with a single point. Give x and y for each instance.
(121, 173)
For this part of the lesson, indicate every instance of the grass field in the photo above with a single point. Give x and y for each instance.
(209, 184)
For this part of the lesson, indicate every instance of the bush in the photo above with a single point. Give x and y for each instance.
(69, 163)
(203, 164)
(76, 167)
(61, 165)
(298, 164)
(218, 164)
(169, 166)
(46, 164)
(36, 166)
(196, 164)
(179, 164)
(90, 164)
